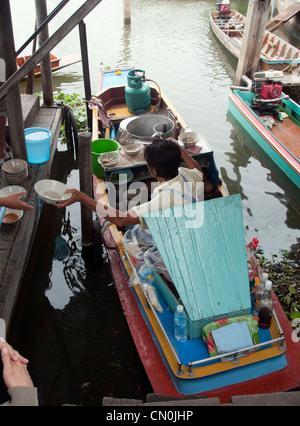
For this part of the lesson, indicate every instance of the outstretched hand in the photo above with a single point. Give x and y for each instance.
(76, 196)
(13, 201)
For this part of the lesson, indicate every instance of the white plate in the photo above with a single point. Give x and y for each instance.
(52, 191)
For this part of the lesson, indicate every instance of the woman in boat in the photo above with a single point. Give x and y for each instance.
(176, 185)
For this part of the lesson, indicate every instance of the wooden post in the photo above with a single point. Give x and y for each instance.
(126, 12)
(13, 99)
(46, 74)
(86, 185)
(86, 70)
(52, 41)
(256, 21)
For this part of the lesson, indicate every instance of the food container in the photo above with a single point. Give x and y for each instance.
(109, 159)
(100, 146)
(51, 191)
(38, 142)
(189, 139)
(132, 148)
(15, 171)
(12, 216)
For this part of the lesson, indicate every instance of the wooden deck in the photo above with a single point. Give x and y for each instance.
(280, 399)
(16, 240)
(289, 134)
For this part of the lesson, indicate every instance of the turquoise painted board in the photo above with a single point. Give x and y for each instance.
(203, 247)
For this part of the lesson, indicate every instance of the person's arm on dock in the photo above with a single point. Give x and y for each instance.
(13, 201)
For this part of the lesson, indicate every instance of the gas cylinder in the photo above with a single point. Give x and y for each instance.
(137, 92)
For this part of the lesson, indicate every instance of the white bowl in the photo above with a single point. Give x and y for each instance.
(12, 216)
(15, 167)
(52, 191)
(111, 155)
(12, 189)
(132, 148)
(189, 139)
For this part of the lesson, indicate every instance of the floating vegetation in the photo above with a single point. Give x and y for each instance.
(285, 276)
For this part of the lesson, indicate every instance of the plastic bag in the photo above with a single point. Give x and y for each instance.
(152, 295)
(252, 323)
(154, 261)
(136, 241)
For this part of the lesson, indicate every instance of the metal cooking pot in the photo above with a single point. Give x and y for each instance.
(150, 127)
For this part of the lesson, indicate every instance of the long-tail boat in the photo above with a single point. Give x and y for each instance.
(208, 272)
(271, 118)
(276, 53)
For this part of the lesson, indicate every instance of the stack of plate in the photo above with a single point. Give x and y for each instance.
(15, 171)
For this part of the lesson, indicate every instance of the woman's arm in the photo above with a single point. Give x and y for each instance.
(189, 161)
(107, 212)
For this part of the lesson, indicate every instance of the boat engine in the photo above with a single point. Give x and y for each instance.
(267, 85)
(268, 89)
(223, 6)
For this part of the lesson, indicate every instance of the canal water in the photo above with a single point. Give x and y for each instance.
(69, 321)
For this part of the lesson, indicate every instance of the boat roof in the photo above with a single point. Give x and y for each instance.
(203, 247)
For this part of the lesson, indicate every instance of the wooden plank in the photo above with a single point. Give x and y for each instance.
(16, 241)
(208, 264)
(287, 14)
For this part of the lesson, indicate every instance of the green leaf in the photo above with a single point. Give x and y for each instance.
(295, 314)
(292, 289)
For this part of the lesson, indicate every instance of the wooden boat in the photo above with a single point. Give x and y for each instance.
(185, 368)
(279, 140)
(56, 63)
(276, 53)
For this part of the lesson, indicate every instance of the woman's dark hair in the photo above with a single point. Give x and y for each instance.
(164, 156)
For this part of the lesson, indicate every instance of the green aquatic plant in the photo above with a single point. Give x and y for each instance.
(284, 273)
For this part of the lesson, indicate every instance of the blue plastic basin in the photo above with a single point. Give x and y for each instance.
(38, 144)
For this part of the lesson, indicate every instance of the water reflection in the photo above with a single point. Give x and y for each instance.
(277, 209)
(67, 267)
(125, 55)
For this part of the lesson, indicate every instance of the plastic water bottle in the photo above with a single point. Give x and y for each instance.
(266, 305)
(260, 292)
(180, 324)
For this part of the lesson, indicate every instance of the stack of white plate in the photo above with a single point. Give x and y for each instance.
(15, 171)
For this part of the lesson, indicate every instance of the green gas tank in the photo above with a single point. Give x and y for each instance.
(137, 92)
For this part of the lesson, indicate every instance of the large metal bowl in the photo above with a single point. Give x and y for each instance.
(150, 127)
